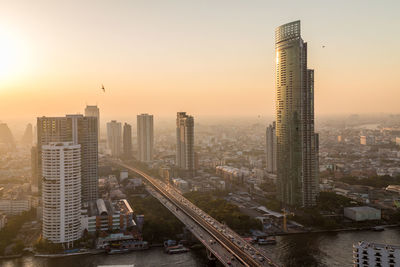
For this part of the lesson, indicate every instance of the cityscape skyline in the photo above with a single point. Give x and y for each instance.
(286, 129)
(216, 61)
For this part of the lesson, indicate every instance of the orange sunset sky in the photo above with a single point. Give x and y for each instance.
(209, 58)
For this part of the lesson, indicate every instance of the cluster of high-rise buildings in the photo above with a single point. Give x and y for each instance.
(65, 160)
(119, 139)
(65, 163)
(65, 170)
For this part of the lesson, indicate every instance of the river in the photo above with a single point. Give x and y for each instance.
(328, 249)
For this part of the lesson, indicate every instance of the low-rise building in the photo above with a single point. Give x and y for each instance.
(104, 216)
(363, 213)
(181, 184)
(123, 175)
(14, 206)
(393, 188)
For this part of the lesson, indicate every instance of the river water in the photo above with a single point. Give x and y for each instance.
(328, 249)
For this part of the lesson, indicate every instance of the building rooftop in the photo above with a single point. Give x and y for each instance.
(365, 245)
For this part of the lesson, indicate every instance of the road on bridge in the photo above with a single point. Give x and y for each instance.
(218, 234)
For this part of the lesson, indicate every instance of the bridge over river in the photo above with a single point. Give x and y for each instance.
(221, 241)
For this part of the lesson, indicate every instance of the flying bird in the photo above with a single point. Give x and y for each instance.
(323, 46)
(102, 88)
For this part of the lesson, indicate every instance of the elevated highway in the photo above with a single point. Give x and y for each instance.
(221, 241)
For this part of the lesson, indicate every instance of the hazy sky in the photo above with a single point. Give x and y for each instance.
(205, 57)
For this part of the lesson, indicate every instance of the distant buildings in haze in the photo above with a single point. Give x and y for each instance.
(7, 141)
(27, 138)
(271, 148)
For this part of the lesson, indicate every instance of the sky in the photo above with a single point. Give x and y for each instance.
(209, 58)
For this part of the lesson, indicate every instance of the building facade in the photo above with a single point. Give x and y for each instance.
(127, 140)
(296, 140)
(94, 111)
(145, 137)
(106, 216)
(114, 134)
(34, 170)
(185, 141)
(3, 220)
(61, 195)
(373, 254)
(271, 148)
(79, 130)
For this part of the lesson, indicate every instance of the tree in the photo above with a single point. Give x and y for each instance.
(18, 247)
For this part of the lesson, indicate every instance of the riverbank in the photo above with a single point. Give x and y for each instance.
(351, 229)
(62, 255)
(144, 258)
(7, 257)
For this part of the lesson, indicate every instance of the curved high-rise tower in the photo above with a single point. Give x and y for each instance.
(296, 141)
(61, 171)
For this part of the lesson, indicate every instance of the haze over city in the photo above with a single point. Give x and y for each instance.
(199, 133)
(210, 58)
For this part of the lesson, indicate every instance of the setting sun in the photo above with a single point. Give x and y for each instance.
(13, 55)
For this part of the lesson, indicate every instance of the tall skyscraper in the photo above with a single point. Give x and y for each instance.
(127, 140)
(185, 141)
(79, 130)
(271, 148)
(94, 111)
(61, 196)
(296, 170)
(114, 132)
(145, 137)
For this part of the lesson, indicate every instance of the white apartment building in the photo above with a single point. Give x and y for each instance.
(61, 194)
(373, 254)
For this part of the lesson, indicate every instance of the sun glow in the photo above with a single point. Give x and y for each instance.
(13, 55)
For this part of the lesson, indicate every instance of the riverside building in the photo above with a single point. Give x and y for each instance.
(61, 194)
(297, 176)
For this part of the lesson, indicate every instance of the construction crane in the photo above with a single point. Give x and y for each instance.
(285, 213)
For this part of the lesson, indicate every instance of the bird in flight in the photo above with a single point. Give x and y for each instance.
(102, 88)
(323, 46)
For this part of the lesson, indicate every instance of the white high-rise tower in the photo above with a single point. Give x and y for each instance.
(61, 171)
